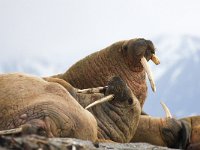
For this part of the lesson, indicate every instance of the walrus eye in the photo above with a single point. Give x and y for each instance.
(130, 101)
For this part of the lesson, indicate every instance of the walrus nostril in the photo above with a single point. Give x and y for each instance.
(130, 101)
(41, 132)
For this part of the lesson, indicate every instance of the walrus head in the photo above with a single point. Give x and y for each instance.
(136, 53)
(118, 93)
(175, 133)
(119, 111)
(122, 93)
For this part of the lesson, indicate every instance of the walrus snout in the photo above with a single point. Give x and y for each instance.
(138, 52)
(138, 48)
(120, 90)
(116, 91)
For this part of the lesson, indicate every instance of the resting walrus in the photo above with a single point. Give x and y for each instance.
(126, 59)
(118, 119)
(47, 108)
(181, 133)
(169, 132)
(44, 108)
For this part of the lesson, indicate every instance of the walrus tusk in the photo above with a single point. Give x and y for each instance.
(149, 73)
(11, 131)
(102, 100)
(155, 59)
(91, 90)
(166, 109)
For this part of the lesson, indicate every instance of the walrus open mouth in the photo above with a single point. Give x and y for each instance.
(147, 69)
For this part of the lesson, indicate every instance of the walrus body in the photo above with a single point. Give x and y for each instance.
(43, 108)
(175, 133)
(194, 122)
(49, 109)
(118, 119)
(120, 59)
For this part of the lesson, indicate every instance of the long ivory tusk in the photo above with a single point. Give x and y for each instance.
(11, 131)
(155, 59)
(91, 90)
(102, 100)
(166, 109)
(149, 73)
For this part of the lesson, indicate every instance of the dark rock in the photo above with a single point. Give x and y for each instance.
(34, 142)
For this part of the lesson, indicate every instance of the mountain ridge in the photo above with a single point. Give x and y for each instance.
(177, 77)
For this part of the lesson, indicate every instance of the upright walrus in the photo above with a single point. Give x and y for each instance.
(126, 59)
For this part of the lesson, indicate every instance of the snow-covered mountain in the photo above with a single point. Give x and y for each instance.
(177, 77)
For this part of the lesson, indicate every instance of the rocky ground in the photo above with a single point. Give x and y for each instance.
(41, 143)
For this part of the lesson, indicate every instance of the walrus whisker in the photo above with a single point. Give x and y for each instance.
(11, 131)
(166, 109)
(102, 100)
(149, 73)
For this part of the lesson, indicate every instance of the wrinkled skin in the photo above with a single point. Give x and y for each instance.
(120, 59)
(195, 146)
(43, 108)
(117, 119)
(194, 123)
(49, 109)
(183, 133)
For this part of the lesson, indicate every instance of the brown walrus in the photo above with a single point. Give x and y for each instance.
(32, 105)
(181, 133)
(126, 59)
(40, 107)
(118, 119)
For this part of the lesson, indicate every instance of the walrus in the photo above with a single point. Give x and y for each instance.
(118, 118)
(126, 59)
(35, 106)
(194, 122)
(183, 133)
(168, 132)
(50, 107)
